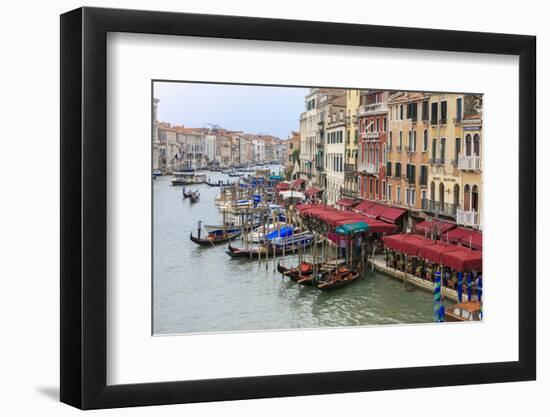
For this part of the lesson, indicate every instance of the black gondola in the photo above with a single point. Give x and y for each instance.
(335, 279)
(214, 238)
(303, 277)
(194, 197)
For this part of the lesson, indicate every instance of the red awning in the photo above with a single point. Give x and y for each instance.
(282, 186)
(438, 226)
(378, 226)
(434, 252)
(454, 235)
(347, 202)
(375, 210)
(363, 205)
(392, 214)
(409, 244)
(463, 259)
(297, 183)
(312, 191)
(474, 241)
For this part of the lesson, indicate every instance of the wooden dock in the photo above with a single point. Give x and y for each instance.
(379, 263)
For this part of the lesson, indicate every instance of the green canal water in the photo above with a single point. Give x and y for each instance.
(201, 289)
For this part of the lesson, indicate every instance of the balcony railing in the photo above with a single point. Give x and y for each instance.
(347, 192)
(373, 108)
(467, 218)
(445, 209)
(368, 168)
(371, 135)
(350, 168)
(469, 163)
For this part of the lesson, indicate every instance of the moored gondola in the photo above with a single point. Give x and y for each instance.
(341, 277)
(214, 238)
(302, 274)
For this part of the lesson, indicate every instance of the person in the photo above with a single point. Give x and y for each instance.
(454, 280)
(479, 286)
(199, 227)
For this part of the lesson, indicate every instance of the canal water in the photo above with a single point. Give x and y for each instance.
(201, 289)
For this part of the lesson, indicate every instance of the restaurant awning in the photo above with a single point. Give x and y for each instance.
(437, 226)
(363, 205)
(463, 259)
(297, 183)
(347, 202)
(292, 194)
(282, 186)
(434, 252)
(378, 226)
(454, 235)
(473, 241)
(409, 244)
(310, 192)
(392, 214)
(351, 228)
(375, 210)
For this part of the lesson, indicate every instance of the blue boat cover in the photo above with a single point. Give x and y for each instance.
(285, 232)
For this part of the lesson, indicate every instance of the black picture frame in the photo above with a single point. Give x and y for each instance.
(84, 207)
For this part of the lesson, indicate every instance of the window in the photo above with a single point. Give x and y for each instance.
(475, 198)
(409, 144)
(398, 169)
(414, 142)
(434, 149)
(433, 119)
(476, 145)
(383, 189)
(443, 112)
(457, 149)
(466, 197)
(423, 196)
(398, 195)
(425, 141)
(441, 193)
(442, 150)
(390, 140)
(376, 189)
(425, 112)
(456, 194)
(423, 175)
(459, 109)
(377, 124)
(400, 141)
(413, 196)
(401, 112)
(389, 192)
(388, 169)
(468, 145)
(385, 124)
(407, 197)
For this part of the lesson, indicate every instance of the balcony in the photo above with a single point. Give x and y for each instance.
(371, 135)
(469, 163)
(436, 161)
(368, 168)
(467, 218)
(445, 209)
(374, 108)
(350, 168)
(347, 192)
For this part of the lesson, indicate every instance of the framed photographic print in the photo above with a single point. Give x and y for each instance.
(255, 208)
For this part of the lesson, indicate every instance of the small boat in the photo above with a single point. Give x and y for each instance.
(187, 194)
(302, 274)
(157, 173)
(194, 197)
(214, 238)
(466, 311)
(338, 278)
(186, 178)
(278, 245)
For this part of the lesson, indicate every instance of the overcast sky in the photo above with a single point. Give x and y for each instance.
(253, 109)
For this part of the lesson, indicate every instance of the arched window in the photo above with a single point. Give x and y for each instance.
(441, 193)
(425, 141)
(468, 146)
(466, 197)
(475, 198)
(456, 195)
(432, 191)
(476, 144)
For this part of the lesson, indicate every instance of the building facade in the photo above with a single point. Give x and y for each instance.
(350, 188)
(334, 145)
(373, 130)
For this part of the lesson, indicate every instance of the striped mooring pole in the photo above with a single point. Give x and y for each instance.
(459, 286)
(439, 309)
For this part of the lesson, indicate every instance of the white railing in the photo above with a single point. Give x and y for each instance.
(371, 135)
(368, 168)
(373, 108)
(469, 163)
(467, 218)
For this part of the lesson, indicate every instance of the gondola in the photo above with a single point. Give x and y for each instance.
(336, 279)
(187, 194)
(194, 197)
(214, 238)
(303, 277)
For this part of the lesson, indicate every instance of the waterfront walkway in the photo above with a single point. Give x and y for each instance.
(379, 263)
